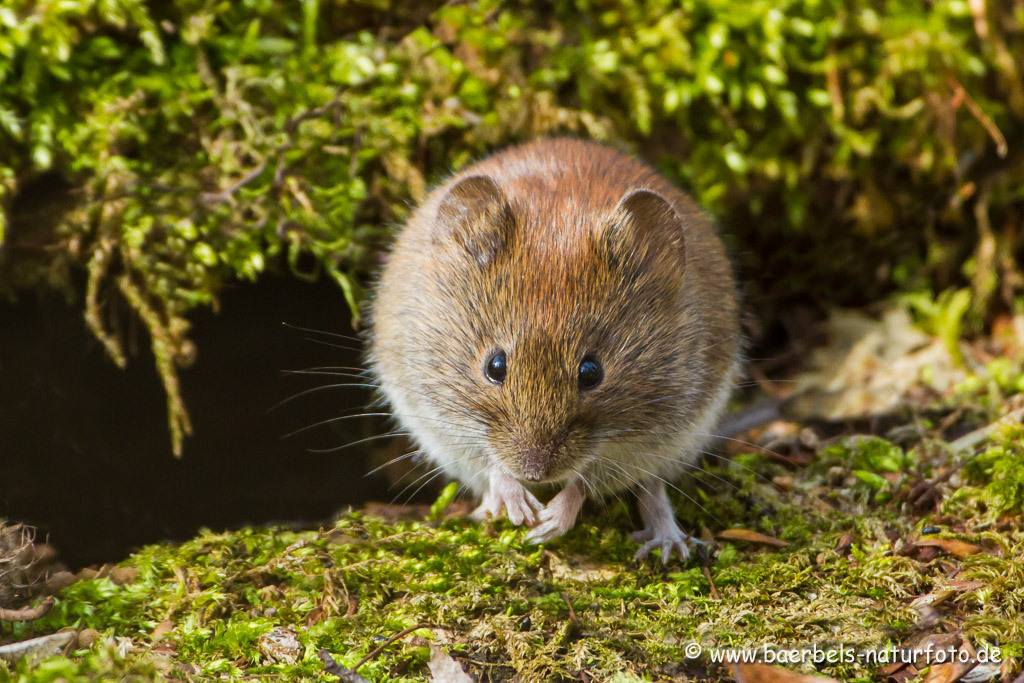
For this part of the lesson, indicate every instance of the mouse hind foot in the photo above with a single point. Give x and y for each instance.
(661, 531)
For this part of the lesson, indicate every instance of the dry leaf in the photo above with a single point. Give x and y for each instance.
(763, 673)
(889, 669)
(87, 637)
(121, 576)
(164, 627)
(967, 584)
(907, 673)
(931, 599)
(844, 544)
(59, 581)
(444, 669)
(949, 672)
(960, 549)
(751, 537)
(870, 367)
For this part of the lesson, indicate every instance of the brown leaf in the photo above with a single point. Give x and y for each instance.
(163, 627)
(59, 581)
(87, 637)
(120, 576)
(763, 673)
(960, 549)
(890, 669)
(907, 673)
(315, 616)
(949, 672)
(87, 574)
(751, 537)
(967, 584)
(844, 545)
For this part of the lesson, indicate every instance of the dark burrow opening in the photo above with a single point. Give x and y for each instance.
(85, 453)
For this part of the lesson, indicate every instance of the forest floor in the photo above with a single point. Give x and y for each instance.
(873, 527)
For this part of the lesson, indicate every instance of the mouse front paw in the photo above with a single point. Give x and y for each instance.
(551, 524)
(504, 492)
(558, 516)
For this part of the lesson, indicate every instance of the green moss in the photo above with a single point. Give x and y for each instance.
(165, 148)
(503, 606)
(998, 468)
(869, 458)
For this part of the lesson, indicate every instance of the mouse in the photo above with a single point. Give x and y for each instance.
(558, 317)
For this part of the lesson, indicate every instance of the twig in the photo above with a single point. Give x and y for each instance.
(377, 651)
(211, 198)
(28, 613)
(835, 90)
(572, 613)
(332, 667)
(43, 646)
(707, 575)
(990, 127)
(917, 496)
(972, 439)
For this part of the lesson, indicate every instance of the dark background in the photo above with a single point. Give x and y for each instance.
(84, 446)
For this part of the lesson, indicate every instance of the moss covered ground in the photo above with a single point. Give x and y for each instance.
(869, 542)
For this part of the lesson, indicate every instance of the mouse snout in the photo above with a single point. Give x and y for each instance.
(535, 461)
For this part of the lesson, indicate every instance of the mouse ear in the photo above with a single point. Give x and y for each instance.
(476, 215)
(646, 233)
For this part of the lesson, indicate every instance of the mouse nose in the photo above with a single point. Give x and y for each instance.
(536, 462)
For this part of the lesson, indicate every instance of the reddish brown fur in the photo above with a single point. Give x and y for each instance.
(548, 271)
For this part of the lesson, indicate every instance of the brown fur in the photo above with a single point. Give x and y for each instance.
(547, 262)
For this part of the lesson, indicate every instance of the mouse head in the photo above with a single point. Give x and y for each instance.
(562, 328)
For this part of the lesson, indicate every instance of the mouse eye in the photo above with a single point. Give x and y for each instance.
(590, 373)
(497, 367)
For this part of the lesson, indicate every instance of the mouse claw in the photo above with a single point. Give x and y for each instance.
(669, 542)
(668, 547)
